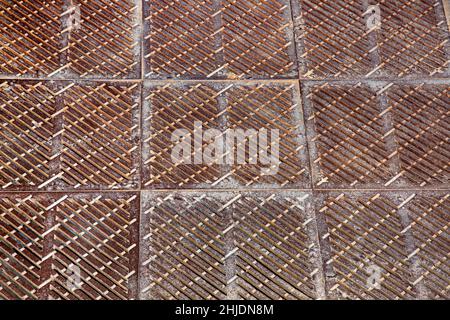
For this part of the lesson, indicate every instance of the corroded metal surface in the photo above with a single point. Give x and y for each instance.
(378, 134)
(42, 38)
(222, 106)
(351, 38)
(401, 235)
(352, 96)
(46, 239)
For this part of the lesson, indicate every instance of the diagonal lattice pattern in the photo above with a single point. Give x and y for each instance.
(106, 41)
(350, 145)
(68, 246)
(367, 256)
(31, 37)
(183, 240)
(353, 38)
(429, 216)
(94, 249)
(412, 38)
(257, 39)
(256, 107)
(334, 38)
(99, 136)
(21, 246)
(224, 245)
(177, 108)
(213, 39)
(180, 38)
(76, 38)
(27, 127)
(59, 135)
(91, 92)
(273, 248)
(422, 129)
(248, 108)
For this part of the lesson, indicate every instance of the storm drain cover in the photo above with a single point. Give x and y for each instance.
(224, 149)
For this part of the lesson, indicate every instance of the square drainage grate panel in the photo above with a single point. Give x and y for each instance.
(360, 39)
(71, 136)
(70, 39)
(384, 245)
(251, 245)
(378, 135)
(219, 39)
(72, 246)
(260, 110)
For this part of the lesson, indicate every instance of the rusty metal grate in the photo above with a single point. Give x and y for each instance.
(31, 37)
(251, 246)
(275, 247)
(222, 106)
(353, 94)
(45, 38)
(405, 49)
(341, 39)
(429, 219)
(98, 236)
(219, 39)
(399, 235)
(335, 39)
(382, 135)
(422, 123)
(364, 233)
(349, 135)
(69, 136)
(45, 238)
(22, 246)
(98, 136)
(185, 247)
(27, 128)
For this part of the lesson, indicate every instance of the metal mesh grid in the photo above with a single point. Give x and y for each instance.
(339, 39)
(91, 92)
(222, 106)
(41, 39)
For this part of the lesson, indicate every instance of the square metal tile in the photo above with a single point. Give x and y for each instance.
(71, 39)
(249, 107)
(382, 245)
(348, 136)
(217, 245)
(378, 134)
(193, 39)
(370, 39)
(69, 246)
(67, 135)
